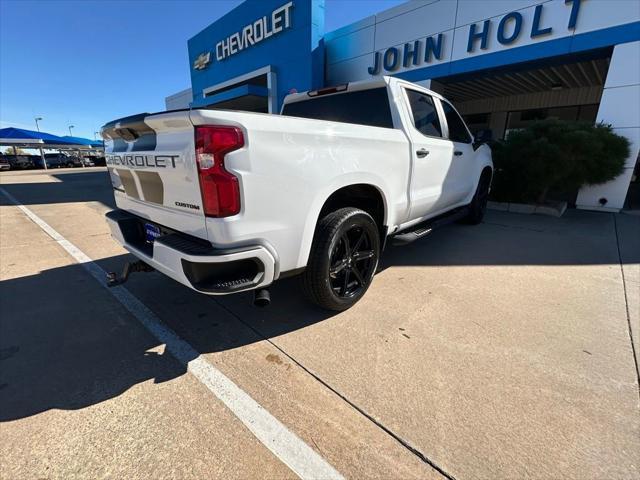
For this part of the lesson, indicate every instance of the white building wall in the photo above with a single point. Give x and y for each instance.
(620, 107)
(179, 100)
(434, 17)
(555, 15)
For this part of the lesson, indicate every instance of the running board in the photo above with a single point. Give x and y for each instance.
(425, 228)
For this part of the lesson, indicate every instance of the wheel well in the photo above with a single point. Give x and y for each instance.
(487, 171)
(362, 196)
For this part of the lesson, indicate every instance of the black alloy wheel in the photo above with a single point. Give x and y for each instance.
(352, 261)
(343, 259)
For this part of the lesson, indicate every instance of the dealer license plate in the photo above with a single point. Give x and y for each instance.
(151, 232)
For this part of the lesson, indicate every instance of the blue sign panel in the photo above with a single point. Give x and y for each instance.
(285, 35)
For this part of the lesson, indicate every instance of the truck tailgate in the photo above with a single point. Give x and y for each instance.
(152, 165)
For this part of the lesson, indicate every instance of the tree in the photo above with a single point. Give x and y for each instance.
(10, 151)
(553, 154)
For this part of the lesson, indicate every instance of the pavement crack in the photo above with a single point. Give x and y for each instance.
(626, 304)
(424, 458)
(317, 447)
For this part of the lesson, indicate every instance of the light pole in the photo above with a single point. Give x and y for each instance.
(44, 162)
(71, 135)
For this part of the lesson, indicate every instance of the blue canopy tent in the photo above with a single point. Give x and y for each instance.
(19, 137)
(26, 138)
(84, 141)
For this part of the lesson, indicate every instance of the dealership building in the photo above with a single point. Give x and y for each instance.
(503, 63)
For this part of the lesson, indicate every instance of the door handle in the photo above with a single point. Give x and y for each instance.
(457, 153)
(423, 152)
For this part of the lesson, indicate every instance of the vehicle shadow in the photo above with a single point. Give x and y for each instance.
(68, 187)
(503, 239)
(67, 344)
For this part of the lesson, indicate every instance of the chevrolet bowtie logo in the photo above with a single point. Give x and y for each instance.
(202, 61)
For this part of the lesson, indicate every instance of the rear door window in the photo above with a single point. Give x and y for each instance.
(362, 107)
(457, 129)
(425, 115)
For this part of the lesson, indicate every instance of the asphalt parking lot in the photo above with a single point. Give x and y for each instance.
(498, 351)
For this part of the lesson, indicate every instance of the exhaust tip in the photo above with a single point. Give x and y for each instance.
(261, 298)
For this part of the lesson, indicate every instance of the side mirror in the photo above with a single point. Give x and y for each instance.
(483, 136)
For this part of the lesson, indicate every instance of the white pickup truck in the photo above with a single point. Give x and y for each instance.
(228, 201)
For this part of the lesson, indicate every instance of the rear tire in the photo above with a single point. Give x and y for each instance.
(478, 205)
(343, 259)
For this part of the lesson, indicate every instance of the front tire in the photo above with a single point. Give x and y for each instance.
(343, 259)
(478, 205)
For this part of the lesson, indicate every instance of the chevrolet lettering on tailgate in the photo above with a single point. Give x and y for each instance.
(159, 161)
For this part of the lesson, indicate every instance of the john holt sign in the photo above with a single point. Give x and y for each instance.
(509, 29)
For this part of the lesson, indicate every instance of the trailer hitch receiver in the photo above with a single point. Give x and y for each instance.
(129, 268)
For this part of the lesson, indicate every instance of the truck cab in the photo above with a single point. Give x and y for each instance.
(442, 149)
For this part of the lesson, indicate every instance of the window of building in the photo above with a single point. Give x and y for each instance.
(523, 118)
(363, 107)
(476, 118)
(477, 122)
(425, 115)
(457, 129)
(248, 103)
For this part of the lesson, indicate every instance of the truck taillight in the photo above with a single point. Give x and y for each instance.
(220, 189)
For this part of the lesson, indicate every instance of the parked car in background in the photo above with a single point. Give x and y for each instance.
(19, 162)
(60, 160)
(99, 161)
(4, 163)
(76, 161)
(37, 161)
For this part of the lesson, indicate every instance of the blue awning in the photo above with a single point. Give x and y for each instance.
(11, 135)
(84, 141)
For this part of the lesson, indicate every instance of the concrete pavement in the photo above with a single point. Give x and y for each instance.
(496, 351)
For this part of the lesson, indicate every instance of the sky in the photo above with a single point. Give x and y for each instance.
(86, 62)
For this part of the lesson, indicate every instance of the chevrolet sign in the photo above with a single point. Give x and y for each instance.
(256, 32)
(249, 35)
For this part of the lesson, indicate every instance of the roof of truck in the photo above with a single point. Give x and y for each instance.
(354, 86)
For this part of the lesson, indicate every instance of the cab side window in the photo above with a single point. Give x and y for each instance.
(457, 129)
(425, 115)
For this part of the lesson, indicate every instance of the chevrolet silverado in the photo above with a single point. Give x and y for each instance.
(229, 201)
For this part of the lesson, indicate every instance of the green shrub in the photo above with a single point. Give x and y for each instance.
(553, 154)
